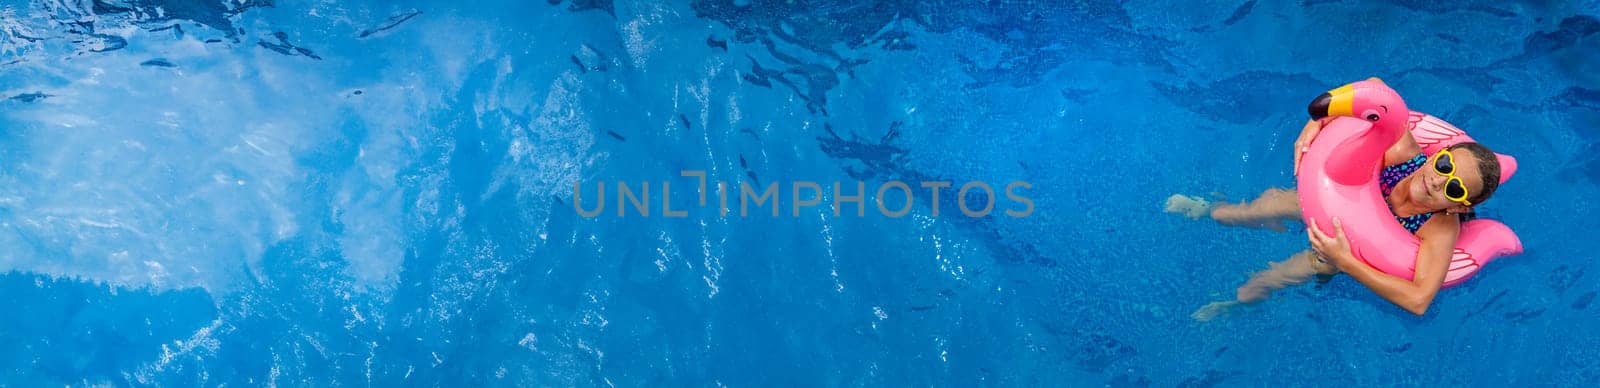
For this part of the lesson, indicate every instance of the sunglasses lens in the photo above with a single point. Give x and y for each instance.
(1445, 165)
(1454, 189)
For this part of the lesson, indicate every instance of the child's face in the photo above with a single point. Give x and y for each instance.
(1428, 188)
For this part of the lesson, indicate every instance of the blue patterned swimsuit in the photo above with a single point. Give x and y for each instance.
(1391, 176)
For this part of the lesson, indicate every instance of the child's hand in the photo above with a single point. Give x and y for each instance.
(1303, 144)
(1336, 248)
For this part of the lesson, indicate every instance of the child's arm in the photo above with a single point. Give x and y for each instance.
(1303, 143)
(1433, 262)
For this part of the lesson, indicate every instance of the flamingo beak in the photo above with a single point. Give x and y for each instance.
(1319, 106)
(1333, 103)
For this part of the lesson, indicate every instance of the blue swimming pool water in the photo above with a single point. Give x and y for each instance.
(333, 193)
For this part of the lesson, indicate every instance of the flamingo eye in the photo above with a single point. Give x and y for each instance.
(1370, 115)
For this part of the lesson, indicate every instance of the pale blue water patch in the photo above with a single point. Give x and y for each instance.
(315, 193)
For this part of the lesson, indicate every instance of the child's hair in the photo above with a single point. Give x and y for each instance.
(1488, 169)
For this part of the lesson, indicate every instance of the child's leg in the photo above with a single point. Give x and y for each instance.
(1296, 270)
(1268, 211)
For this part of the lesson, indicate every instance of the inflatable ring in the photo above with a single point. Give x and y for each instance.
(1339, 177)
